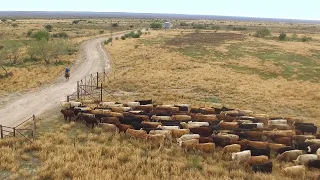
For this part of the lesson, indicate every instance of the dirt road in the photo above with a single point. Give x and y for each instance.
(93, 58)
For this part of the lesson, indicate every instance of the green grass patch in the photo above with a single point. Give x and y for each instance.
(262, 74)
(195, 51)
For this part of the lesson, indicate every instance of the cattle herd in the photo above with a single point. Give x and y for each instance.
(248, 137)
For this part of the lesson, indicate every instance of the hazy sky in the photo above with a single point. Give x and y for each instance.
(293, 9)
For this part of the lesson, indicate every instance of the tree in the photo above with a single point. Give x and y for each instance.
(282, 36)
(47, 50)
(114, 25)
(14, 25)
(48, 27)
(11, 52)
(263, 32)
(4, 20)
(75, 21)
(156, 25)
(39, 35)
(183, 23)
(131, 26)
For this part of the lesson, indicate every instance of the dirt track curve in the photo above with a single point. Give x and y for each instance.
(93, 58)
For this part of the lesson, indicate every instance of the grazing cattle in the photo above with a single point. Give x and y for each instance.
(205, 147)
(129, 120)
(205, 139)
(121, 109)
(277, 121)
(313, 148)
(241, 121)
(315, 141)
(254, 160)
(88, 118)
(295, 171)
(124, 127)
(280, 126)
(219, 110)
(67, 114)
(314, 164)
(258, 144)
(304, 124)
(167, 133)
(188, 137)
(263, 168)
(167, 108)
(132, 104)
(275, 147)
(289, 155)
(292, 121)
(305, 158)
(256, 135)
(161, 118)
(248, 126)
(181, 117)
(246, 112)
(156, 140)
(228, 125)
(284, 149)
(139, 134)
(109, 127)
(302, 138)
(110, 120)
(307, 129)
(151, 124)
(280, 133)
(144, 102)
(318, 152)
(232, 148)
(205, 118)
(221, 141)
(142, 117)
(303, 146)
(242, 143)
(259, 151)
(191, 124)
(241, 156)
(284, 140)
(202, 131)
(145, 108)
(189, 144)
(317, 136)
(226, 118)
(168, 127)
(183, 107)
(177, 133)
(232, 137)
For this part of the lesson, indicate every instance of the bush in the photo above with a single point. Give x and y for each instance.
(48, 27)
(41, 35)
(306, 38)
(60, 35)
(123, 37)
(197, 30)
(240, 29)
(156, 25)
(294, 37)
(101, 31)
(75, 21)
(4, 20)
(29, 33)
(199, 26)
(215, 27)
(263, 32)
(117, 38)
(114, 25)
(14, 25)
(108, 41)
(183, 24)
(282, 36)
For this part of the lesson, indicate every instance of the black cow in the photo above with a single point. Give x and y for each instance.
(171, 123)
(88, 118)
(248, 126)
(307, 129)
(222, 142)
(303, 146)
(307, 124)
(284, 149)
(313, 148)
(314, 164)
(144, 102)
(218, 110)
(202, 131)
(129, 120)
(263, 168)
(258, 151)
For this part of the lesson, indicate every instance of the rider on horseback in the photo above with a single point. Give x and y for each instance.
(67, 73)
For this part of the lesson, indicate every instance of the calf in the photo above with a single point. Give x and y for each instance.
(241, 156)
(259, 151)
(139, 134)
(205, 147)
(67, 114)
(123, 127)
(263, 168)
(307, 129)
(189, 144)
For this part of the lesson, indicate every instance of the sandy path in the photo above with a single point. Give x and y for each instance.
(93, 59)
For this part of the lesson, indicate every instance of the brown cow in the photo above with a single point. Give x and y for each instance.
(228, 125)
(283, 140)
(177, 133)
(123, 127)
(189, 144)
(143, 117)
(110, 120)
(258, 144)
(232, 148)
(256, 135)
(156, 140)
(139, 134)
(205, 140)
(109, 127)
(67, 114)
(205, 147)
(202, 131)
(151, 124)
(254, 160)
(275, 147)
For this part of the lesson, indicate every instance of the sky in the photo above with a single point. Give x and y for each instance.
(288, 9)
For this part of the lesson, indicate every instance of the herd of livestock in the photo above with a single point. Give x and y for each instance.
(247, 136)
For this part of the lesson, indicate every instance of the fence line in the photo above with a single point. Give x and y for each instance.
(6, 131)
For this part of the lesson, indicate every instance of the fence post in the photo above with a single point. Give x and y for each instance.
(78, 93)
(97, 80)
(101, 93)
(1, 132)
(68, 98)
(104, 76)
(34, 127)
(14, 131)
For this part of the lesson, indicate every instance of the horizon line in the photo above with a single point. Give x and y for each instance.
(183, 14)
